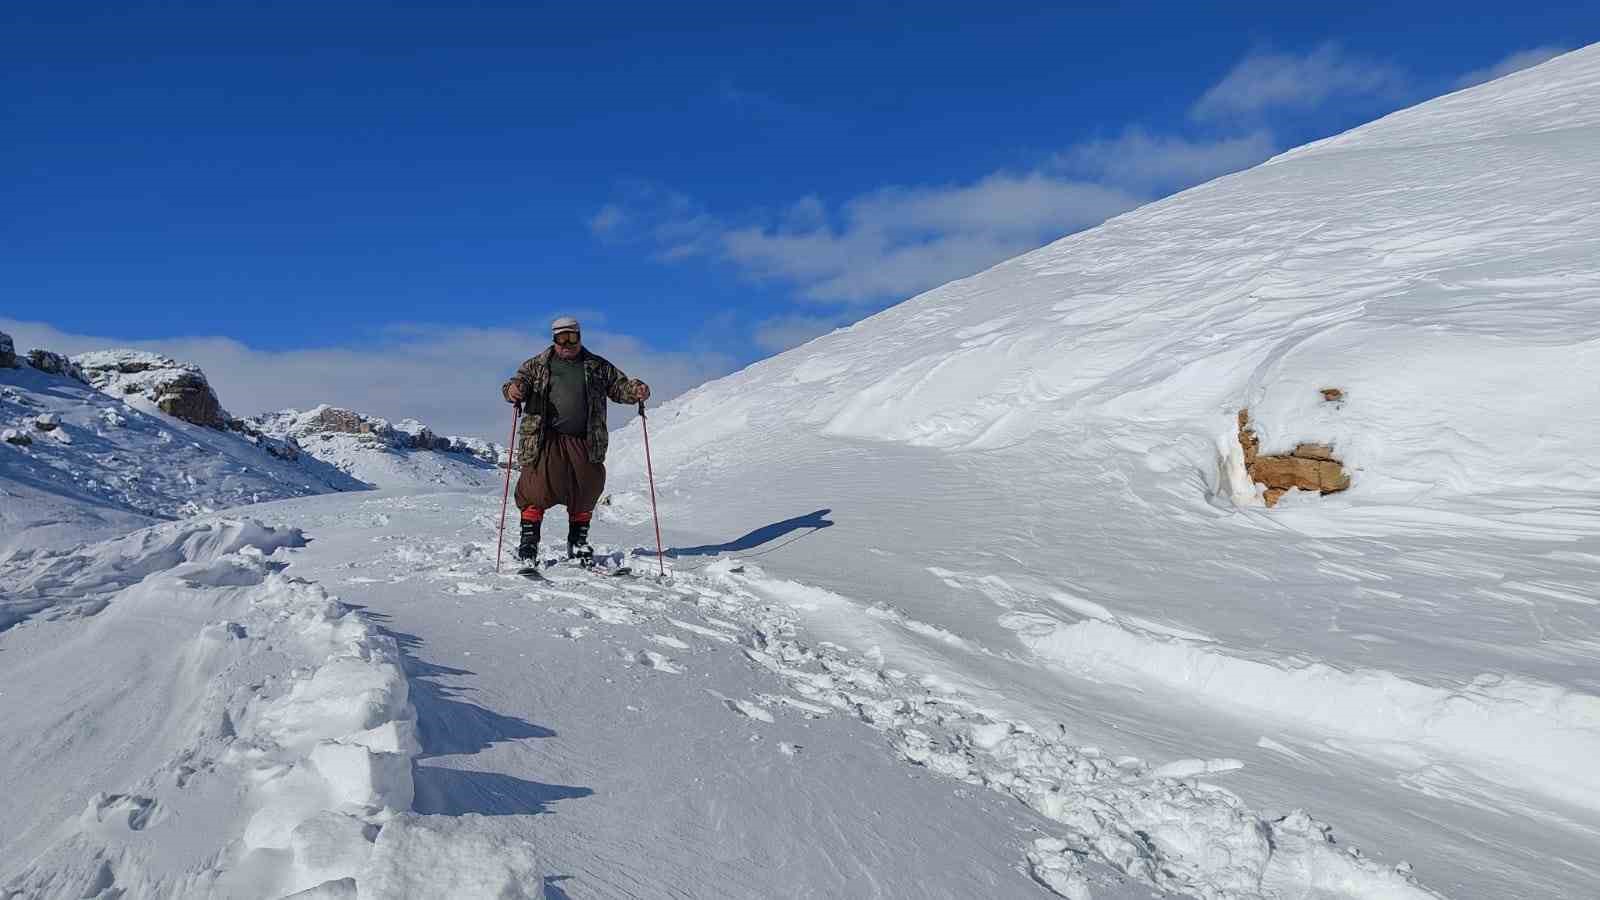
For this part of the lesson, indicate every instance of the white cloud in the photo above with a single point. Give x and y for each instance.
(447, 377)
(1516, 62)
(1140, 159)
(889, 243)
(896, 241)
(1264, 81)
(783, 332)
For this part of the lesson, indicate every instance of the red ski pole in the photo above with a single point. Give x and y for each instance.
(511, 449)
(661, 559)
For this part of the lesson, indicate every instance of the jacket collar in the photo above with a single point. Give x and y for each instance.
(550, 352)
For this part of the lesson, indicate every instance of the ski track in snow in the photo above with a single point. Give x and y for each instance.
(1156, 825)
(305, 712)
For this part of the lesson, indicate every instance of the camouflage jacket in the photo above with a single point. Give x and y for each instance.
(603, 380)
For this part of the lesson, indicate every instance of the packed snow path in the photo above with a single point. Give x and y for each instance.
(688, 737)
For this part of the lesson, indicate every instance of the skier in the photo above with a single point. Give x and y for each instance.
(561, 442)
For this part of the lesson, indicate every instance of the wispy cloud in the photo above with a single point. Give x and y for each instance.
(780, 333)
(1153, 162)
(1264, 81)
(887, 243)
(447, 377)
(1516, 62)
(898, 241)
(849, 254)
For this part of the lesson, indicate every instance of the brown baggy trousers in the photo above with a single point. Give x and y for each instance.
(564, 476)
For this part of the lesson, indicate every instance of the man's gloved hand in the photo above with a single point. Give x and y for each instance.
(514, 393)
(644, 392)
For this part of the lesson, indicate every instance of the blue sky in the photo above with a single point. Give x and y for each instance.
(326, 189)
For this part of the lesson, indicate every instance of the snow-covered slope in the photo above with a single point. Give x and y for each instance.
(107, 465)
(113, 440)
(1035, 496)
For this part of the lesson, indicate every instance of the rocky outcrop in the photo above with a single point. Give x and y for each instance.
(283, 448)
(325, 423)
(8, 352)
(1309, 467)
(333, 420)
(54, 364)
(177, 389)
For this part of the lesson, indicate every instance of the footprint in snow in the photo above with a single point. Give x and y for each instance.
(701, 630)
(669, 641)
(129, 810)
(653, 660)
(744, 708)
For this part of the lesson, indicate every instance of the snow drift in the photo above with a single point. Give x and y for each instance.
(260, 727)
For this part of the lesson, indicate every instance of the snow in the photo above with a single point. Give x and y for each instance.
(107, 466)
(78, 463)
(402, 456)
(1037, 502)
(273, 706)
(139, 373)
(973, 598)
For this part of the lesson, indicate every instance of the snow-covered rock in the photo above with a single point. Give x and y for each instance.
(54, 364)
(177, 389)
(409, 434)
(79, 464)
(8, 352)
(382, 453)
(150, 440)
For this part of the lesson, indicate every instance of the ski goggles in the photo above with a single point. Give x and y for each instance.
(567, 338)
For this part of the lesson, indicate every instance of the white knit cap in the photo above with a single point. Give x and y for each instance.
(565, 323)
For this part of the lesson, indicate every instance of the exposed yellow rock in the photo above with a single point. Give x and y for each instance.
(1311, 467)
(1247, 439)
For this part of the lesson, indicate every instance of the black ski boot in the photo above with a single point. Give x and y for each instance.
(578, 544)
(528, 549)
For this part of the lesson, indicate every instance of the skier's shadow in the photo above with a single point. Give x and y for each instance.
(816, 521)
(449, 725)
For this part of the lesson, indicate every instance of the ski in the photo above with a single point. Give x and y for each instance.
(534, 570)
(604, 570)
